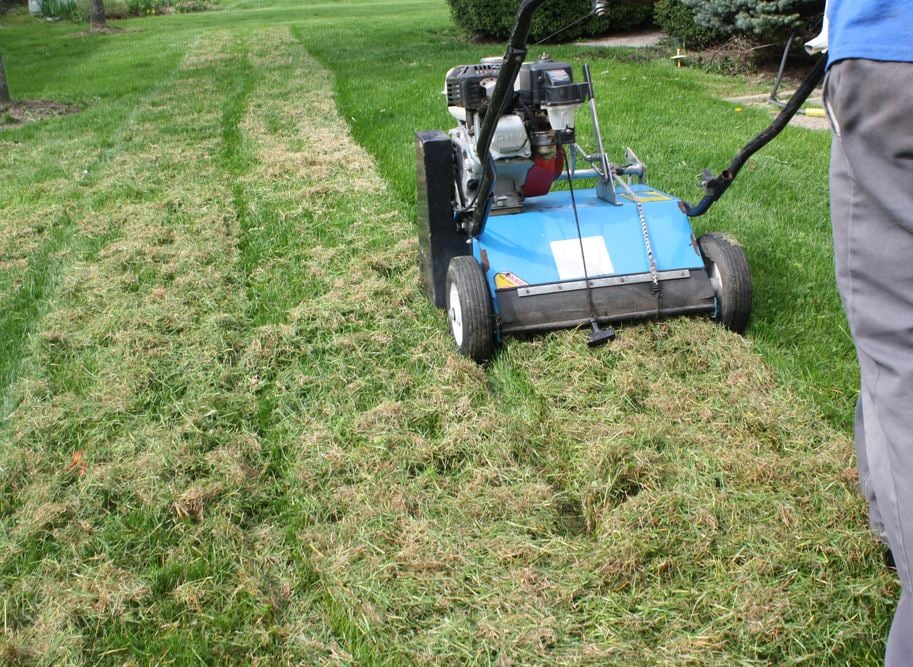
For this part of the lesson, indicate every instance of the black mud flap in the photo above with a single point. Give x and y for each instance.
(564, 305)
(438, 238)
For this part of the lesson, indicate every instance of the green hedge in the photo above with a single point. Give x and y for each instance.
(677, 20)
(494, 19)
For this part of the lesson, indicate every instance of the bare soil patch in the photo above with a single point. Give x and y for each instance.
(30, 111)
(105, 30)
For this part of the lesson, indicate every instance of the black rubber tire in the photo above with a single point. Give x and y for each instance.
(469, 312)
(727, 266)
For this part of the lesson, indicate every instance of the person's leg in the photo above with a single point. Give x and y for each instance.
(900, 642)
(842, 205)
(872, 215)
(865, 476)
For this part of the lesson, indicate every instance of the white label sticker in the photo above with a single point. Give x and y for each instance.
(570, 262)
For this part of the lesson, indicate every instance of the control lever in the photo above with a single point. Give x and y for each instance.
(604, 187)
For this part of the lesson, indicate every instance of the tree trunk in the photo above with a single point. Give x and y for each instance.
(4, 87)
(97, 15)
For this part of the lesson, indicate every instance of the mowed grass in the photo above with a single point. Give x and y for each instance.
(235, 431)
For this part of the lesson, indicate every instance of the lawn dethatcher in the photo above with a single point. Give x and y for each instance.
(505, 254)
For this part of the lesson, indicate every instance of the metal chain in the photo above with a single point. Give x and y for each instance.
(654, 275)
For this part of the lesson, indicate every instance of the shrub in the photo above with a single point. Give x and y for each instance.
(141, 7)
(188, 6)
(78, 10)
(677, 20)
(59, 9)
(766, 19)
(494, 19)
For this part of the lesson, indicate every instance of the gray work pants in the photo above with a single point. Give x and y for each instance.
(870, 105)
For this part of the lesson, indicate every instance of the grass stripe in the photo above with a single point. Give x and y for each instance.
(74, 235)
(273, 124)
(20, 311)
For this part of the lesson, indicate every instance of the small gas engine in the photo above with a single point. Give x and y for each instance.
(525, 143)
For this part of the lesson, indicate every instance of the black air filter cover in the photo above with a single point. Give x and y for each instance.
(464, 84)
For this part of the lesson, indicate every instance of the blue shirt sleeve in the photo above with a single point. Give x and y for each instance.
(870, 29)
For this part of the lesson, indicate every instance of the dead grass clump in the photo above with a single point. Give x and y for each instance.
(191, 504)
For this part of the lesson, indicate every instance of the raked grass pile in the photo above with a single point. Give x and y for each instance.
(234, 430)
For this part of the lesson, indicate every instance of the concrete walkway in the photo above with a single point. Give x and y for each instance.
(631, 39)
(800, 120)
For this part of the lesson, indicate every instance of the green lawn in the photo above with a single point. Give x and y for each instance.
(234, 430)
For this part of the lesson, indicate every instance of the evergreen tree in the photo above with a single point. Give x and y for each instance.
(762, 18)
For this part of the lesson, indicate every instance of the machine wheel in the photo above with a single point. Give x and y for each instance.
(469, 308)
(730, 277)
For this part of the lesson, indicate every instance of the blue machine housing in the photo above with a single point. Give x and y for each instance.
(532, 261)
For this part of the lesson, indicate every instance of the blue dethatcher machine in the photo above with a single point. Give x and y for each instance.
(504, 253)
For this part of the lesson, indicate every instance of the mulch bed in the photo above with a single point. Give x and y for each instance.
(30, 111)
